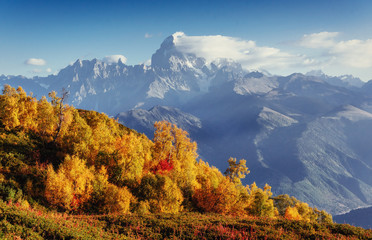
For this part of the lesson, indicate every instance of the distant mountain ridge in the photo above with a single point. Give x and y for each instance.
(306, 135)
(359, 217)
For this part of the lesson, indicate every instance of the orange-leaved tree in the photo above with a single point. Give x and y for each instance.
(173, 145)
(71, 186)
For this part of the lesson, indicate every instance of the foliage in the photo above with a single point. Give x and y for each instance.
(260, 203)
(132, 153)
(173, 145)
(291, 208)
(236, 171)
(117, 199)
(71, 186)
(160, 193)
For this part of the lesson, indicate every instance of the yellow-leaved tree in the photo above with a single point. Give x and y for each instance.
(236, 170)
(292, 214)
(117, 199)
(46, 119)
(76, 139)
(71, 186)
(222, 194)
(260, 203)
(107, 197)
(132, 153)
(9, 108)
(160, 193)
(174, 154)
(27, 110)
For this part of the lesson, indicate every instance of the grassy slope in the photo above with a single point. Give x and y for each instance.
(27, 223)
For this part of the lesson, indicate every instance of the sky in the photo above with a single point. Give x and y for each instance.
(38, 38)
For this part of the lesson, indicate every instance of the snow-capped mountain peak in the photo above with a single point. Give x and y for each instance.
(348, 81)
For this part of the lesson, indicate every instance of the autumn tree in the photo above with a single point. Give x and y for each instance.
(9, 108)
(323, 216)
(77, 138)
(260, 203)
(291, 213)
(236, 170)
(46, 119)
(300, 211)
(133, 151)
(217, 193)
(27, 110)
(96, 203)
(160, 193)
(102, 137)
(173, 145)
(205, 196)
(71, 186)
(59, 109)
(282, 202)
(291, 208)
(117, 199)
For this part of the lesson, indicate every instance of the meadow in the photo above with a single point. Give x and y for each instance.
(19, 222)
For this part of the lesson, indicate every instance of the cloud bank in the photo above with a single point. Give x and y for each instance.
(114, 59)
(319, 40)
(353, 53)
(247, 53)
(320, 50)
(35, 62)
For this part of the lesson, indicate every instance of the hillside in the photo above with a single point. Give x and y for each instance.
(94, 177)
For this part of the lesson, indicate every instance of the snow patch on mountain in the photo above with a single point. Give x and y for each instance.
(271, 119)
(353, 114)
(143, 120)
(252, 84)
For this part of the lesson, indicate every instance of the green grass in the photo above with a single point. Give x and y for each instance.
(20, 223)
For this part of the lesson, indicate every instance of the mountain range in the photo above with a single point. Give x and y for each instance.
(307, 135)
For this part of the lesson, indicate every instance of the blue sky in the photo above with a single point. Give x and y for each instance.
(42, 37)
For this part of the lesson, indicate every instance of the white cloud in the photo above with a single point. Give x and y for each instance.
(35, 62)
(48, 70)
(148, 35)
(319, 40)
(353, 53)
(321, 50)
(114, 59)
(245, 52)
